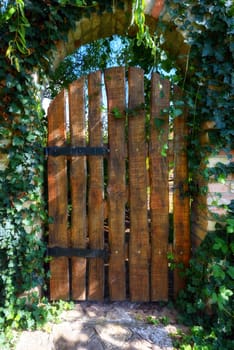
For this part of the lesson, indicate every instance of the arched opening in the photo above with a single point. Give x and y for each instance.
(118, 22)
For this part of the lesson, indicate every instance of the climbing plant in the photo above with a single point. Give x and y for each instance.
(28, 33)
(208, 299)
(208, 28)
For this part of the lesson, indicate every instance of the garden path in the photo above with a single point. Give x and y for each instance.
(107, 326)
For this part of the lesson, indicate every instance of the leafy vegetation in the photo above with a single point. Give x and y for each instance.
(28, 32)
(209, 31)
(28, 313)
(208, 299)
(22, 137)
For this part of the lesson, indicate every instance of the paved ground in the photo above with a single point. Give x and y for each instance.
(100, 326)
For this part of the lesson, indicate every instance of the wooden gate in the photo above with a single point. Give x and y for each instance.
(110, 190)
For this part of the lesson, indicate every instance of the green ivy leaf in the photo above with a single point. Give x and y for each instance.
(9, 13)
(225, 293)
(18, 141)
(230, 225)
(207, 49)
(159, 122)
(164, 150)
(218, 272)
(177, 112)
(116, 112)
(230, 271)
(220, 244)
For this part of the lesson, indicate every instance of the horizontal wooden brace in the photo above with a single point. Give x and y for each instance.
(77, 252)
(72, 151)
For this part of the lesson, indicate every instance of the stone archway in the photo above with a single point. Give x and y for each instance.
(118, 21)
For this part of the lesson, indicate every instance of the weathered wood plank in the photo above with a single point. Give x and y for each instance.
(159, 191)
(139, 231)
(115, 88)
(78, 183)
(95, 188)
(181, 200)
(57, 199)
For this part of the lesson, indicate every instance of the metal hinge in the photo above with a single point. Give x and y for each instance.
(78, 252)
(72, 151)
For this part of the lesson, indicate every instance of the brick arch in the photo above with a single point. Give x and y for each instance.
(118, 21)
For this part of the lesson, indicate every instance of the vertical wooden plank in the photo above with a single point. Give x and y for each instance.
(181, 201)
(139, 232)
(199, 209)
(115, 88)
(95, 189)
(78, 174)
(159, 191)
(57, 197)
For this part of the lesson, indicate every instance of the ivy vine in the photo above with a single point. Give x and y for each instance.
(28, 32)
(208, 84)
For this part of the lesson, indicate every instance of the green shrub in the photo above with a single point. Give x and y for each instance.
(207, 300)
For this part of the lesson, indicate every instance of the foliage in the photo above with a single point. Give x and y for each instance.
(28, 32)
(143, 35)
(208, 299)
(96, 55)
(196, 339)
(28, 313)
(101, 54)
(22, 137)
(164, 320)
(208, 27)
(18, 29)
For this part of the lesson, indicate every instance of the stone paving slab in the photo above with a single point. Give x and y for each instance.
(105, 326)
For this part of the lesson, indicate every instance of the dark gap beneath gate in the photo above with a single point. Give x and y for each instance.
(106, 264)
(69, 223)
(127, 241)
